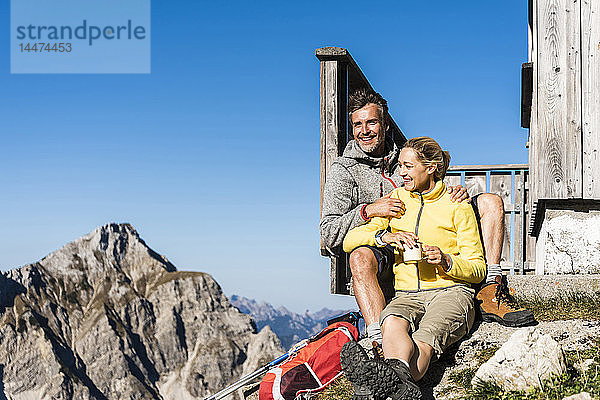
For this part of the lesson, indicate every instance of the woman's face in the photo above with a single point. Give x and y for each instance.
(417, 176)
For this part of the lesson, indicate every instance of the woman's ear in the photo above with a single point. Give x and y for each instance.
(431, 169)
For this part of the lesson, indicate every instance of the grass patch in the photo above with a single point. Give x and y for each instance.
(485, 354)
(463, 377)
(572, 306)
(340, 389)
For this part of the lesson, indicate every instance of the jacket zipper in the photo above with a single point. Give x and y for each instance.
(385, 177)
(417, 233)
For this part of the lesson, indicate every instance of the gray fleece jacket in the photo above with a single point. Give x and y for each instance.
(355, 179)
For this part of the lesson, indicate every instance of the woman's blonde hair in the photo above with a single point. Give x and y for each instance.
(429, 152)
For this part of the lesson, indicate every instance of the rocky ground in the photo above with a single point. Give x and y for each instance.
(486, 338)
(571, 334)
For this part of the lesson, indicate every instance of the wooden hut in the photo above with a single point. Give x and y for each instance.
(564, 116)
(561, 108)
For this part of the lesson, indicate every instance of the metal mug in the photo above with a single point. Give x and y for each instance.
(413, 255)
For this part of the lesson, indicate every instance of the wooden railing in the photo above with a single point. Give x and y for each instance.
(510, 182)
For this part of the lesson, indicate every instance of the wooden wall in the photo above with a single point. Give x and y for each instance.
(565, 117)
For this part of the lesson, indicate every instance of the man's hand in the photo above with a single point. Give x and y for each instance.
(386, 207)
(458, 193)
(434, 255)
(400, 239)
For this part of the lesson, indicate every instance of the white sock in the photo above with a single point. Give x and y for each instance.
(493, 270)
(405, 363)
(374, 332)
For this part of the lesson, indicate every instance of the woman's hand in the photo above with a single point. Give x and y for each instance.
(401, 238)
(434, 255)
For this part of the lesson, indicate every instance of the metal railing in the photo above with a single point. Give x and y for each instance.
(510, 182)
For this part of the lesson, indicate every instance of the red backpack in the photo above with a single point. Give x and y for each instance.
(314, 367)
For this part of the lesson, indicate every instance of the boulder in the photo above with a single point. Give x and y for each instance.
(569, 243)
(527, 359)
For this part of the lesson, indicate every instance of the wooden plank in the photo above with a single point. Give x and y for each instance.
(558, 145)
(501, 184)
(590, 80)
(520, 241)
(329, 121)
(475, 183)
(338, 275)
(329, 142)
(529, 240)
(533, 127)
(452, 179)
(492, 167)
(323, 118)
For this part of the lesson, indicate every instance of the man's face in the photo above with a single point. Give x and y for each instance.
(368, 129)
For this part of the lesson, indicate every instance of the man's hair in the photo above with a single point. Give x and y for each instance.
(363, 96)
(429, 152)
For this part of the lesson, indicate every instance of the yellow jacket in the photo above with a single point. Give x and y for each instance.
(439, 222)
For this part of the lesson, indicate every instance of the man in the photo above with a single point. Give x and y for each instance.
(356, 190)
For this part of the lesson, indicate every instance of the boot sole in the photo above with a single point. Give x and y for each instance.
(384, 382)
(352, 357)
(526, 321)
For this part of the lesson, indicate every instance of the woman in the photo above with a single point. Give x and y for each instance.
(433, 307)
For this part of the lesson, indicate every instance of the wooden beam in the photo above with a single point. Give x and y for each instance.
(534, 126)
(329, 118)
(590, 82)
(492, 167)
(556, 162)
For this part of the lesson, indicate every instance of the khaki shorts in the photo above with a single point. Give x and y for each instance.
(437, 317)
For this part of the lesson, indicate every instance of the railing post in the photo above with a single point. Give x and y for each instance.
(523, 224)
(334, 105)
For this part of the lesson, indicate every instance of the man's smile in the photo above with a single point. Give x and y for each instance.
(367, 139)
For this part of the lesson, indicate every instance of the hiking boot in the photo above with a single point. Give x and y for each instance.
(352, 358)
(372, 348)
(376, 350)
(496, 303)
(390, 378)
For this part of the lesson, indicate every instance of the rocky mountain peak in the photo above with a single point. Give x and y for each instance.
(107, 317)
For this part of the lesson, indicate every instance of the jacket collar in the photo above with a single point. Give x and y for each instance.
(388, 161)
(434, 194)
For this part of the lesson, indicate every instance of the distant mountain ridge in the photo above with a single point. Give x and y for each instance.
(289, 326)
(106, 317)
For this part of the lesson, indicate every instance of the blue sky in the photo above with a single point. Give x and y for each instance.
(214, 155)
